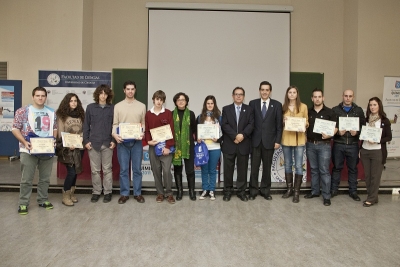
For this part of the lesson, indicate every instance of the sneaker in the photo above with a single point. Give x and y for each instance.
(106, 199)
(203, 195)
(95, 198)
(23, 210)
(212, 197)
(47, 205)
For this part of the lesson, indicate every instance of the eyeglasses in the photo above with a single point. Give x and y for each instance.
(238, 94)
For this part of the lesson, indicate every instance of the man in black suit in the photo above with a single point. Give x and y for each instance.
(266, 137)
(237, 125)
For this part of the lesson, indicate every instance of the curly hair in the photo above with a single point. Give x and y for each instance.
(107, 90)
(63, 111)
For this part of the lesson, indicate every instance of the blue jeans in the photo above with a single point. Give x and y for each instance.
(319, 157)
(130, 152)
(341, 152)
(296, 152)
(209, 171)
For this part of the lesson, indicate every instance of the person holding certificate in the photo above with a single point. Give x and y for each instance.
(373, 154)
(185, 128)
(210, 115)
(345, 144)
(293, 142)
(39, 120)
(318, 147)
(129, 110)
(159, 116)
(70, 117)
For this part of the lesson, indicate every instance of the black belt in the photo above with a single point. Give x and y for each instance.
(319, 142)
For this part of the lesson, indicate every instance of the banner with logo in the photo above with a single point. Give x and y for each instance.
(277, 168)
(391, 106)
(81, 83)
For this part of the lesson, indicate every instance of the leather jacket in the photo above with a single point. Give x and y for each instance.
(355, 111)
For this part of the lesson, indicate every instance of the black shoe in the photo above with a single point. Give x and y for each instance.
(107, 198)
(267, 197)
(95, 198)
(310, 195)
(242, 197)
(226, 197)
(251, 197)
(327, 202)
(355, 197)
(365, 204)
(334, 193)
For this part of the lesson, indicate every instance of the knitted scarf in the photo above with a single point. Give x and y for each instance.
(182, 140)
(372, 119)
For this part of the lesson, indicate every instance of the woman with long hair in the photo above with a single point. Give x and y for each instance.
(70, 117)
(210, 114)
(293, 142)
(373, 153)
(185, 129)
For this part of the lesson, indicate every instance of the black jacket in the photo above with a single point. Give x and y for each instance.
(355, 111)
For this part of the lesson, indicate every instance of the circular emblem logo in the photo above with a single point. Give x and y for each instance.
(53, 79)
(278, 166)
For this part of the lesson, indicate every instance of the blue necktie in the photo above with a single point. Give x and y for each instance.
(264, 110)
(237, 114)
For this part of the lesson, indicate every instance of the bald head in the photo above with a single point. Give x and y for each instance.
(348, 97)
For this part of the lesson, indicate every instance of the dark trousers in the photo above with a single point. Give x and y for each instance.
(229, 167)
(265, 155)
(189, 167)
(340, 153)
(373, 167)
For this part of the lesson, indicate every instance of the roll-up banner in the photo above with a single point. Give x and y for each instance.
(391, 106)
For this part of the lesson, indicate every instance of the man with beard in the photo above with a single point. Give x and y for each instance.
(318, 148)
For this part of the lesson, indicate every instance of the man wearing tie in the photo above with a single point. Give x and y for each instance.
(266, 137)
(237, 126)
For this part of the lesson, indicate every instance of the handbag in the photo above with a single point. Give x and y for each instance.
(200, 154)
(159, 148)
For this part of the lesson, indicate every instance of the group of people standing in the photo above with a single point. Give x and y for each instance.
(256, 129)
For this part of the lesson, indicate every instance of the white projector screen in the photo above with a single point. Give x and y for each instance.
(205, 53)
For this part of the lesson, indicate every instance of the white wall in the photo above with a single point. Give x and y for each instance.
(354, 42)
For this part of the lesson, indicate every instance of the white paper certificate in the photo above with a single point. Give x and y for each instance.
(349, 123)
(71, 140)
(130, 130)
(324, 126)
(207, 131)
(372, 134)
(161, 133)
(42, 145)
(295, 124)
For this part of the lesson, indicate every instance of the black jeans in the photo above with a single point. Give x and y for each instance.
(70, 179)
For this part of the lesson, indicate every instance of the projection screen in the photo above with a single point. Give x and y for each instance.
(209, 52)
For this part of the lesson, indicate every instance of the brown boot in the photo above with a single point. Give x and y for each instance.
(289, 184)
(298, 179)
(73, 198)
(67, 198)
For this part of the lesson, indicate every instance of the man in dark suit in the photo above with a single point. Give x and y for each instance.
(266, 137)
(237, 126)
